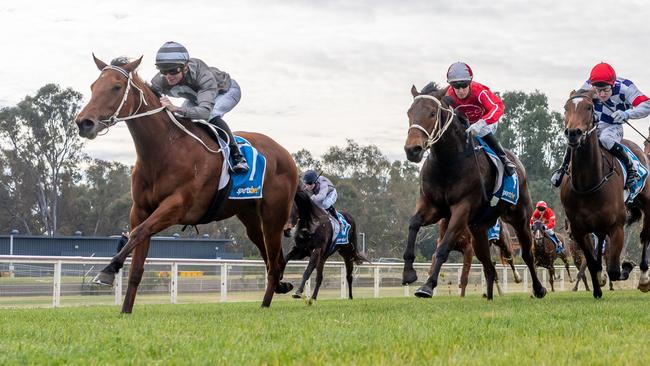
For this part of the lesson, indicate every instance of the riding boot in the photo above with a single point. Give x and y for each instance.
(632, 175)
(239, 164)
(494, 144)
(556, 179)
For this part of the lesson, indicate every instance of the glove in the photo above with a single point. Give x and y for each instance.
(620, 116)
(475, 128)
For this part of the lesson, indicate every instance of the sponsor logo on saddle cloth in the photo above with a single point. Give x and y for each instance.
(341, 232)
(630, 194)
(247, 185)
(505, 188)
(494, 233)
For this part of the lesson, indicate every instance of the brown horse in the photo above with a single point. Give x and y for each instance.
(314, 237)
(453, 185)
(545, 253)
(175, 176)
(592, 195)
(464, 246)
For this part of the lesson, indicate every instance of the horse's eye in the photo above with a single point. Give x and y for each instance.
(117, 88)
(432, 114)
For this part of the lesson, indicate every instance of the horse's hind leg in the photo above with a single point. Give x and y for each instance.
(320, 266)
(644, 278)
(525, 241)
(507, 255)
(551, 276)
(468, 253)
(482, 252)
(457, 225)
(615, 247)
(424, 215)
(349, 267)
(566, 265)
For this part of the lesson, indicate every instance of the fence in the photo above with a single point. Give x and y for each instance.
(59, 281)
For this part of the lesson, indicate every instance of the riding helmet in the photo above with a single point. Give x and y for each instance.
(171, 55)
(602, 73)
(310, 177)
(459, 71)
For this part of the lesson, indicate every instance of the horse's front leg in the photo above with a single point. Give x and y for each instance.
(507, 254)
(468, 253)
(313, 259)
(457, 225)
(424, 215)
(566, 265)
(595, 265)
(482, 252)
(615, 247)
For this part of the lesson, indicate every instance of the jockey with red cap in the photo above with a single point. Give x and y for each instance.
(481, 107)
(547, 217)
(616, 100)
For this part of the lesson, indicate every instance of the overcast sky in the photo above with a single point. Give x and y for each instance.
(314, 73)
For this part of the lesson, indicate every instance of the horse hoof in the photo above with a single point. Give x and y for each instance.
(409, 276)
(283, 287)
(541, 293)
(598, 294)
(628, 266)
(424, 292)
(644, 287)
(517, 278)
(104, 279)
(297, 295)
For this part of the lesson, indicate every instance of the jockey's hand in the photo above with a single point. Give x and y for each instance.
(475, 128)
(620, 116)
(168, 104)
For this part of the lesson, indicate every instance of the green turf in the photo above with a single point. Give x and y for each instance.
(563, 328)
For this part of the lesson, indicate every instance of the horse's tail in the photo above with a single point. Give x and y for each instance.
(634, 214)
(305, 209)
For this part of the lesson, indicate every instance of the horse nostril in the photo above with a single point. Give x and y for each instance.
(566, 132)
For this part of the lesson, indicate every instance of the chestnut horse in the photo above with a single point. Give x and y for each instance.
(464, 246)
(313, 238)
(453, 186)
(592, 195)
(545, 253)
(176, 175)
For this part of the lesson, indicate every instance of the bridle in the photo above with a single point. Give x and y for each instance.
(432, 137)
(114, 119)
(584, 136)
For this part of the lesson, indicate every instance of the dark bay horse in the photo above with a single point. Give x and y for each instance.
(545, 253)
(313, 238)
(464, 246)
(453, 186)
(175, 176)
(592, 195)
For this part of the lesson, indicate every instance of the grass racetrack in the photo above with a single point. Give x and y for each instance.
(563, 328)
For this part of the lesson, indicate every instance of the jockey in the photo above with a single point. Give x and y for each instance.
(209, 92)
(323, 192)
(547, 217)
(481, 107)
(616, 100)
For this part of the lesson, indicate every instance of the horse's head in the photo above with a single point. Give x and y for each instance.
(110, 98)
(579, 117)
(292, 221)
(429, 117)
(538, 232)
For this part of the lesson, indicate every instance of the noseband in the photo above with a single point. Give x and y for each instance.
(431, 137)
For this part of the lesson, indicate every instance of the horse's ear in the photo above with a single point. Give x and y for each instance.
(100, 64)
(573, 92)
(131, 66)
(447, 100)
(414, 91)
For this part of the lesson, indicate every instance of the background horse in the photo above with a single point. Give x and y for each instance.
(454, 182)
(545, 253)
(464, 246)
(176, 175)
(592, 195)
(314, 238)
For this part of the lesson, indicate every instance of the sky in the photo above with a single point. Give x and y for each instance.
(315, 73)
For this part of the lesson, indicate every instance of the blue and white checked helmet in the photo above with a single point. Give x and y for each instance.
(170, 55)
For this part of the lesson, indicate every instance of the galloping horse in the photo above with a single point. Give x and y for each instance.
(545, 253)
(464, 246)
(453, 186)
(314, 237)
(176, 175)
(592, 195)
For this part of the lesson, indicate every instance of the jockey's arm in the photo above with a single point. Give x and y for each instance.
(550, 224)
(641, 110)
(492, 104)
(207, 93)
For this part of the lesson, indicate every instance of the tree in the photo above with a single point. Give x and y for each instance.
(40, 145)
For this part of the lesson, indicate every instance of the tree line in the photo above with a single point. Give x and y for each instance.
(48, 186)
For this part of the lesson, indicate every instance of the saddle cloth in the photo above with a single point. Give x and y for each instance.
(630, 194)
(340, 232)
(494, 233)
(247, 185)
(505, 188)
